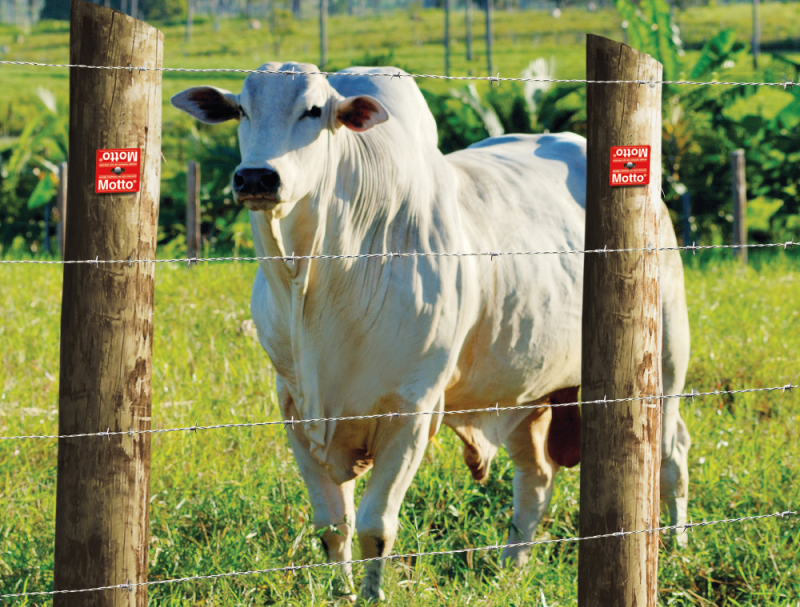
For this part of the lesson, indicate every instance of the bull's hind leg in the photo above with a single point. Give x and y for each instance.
(543, 442)
(534, 470)
(675, 441)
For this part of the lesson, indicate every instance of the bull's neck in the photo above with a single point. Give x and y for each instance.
(365, 202)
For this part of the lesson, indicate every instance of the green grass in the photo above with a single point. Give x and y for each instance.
(232, 500)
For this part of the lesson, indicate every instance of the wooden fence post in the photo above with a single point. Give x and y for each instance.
(686, 203)
(621, 353)
(323, 33)
(189, 19)
(489, 35)
(739, 194)
(756, 35)
(193, 209)
(103, 484)
(468, 26)
(446, 37)
(61, 206)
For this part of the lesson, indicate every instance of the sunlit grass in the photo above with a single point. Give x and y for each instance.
(232, 500)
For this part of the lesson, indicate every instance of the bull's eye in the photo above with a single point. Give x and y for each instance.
(314, 112)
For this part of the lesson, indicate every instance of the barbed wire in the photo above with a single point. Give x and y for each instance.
(295, 568)
(491, 254)
(491, 79)
(490, 410)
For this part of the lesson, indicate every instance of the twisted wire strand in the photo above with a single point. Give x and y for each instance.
(490, 410)
(491, 254)
(491, 79)
(295, 568)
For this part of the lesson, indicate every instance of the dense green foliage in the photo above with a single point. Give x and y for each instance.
(233, 500)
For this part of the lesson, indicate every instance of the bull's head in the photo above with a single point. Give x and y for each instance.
(285, 123)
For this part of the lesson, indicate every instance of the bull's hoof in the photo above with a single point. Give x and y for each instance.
(514, 558)
(371, 596)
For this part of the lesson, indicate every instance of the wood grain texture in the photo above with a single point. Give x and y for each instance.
(739, 196)
(621, 352)
(103, 485)
(193, 240)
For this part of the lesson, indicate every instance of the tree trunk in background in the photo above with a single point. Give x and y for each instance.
(621, 343)
(489, 18)
(103, 484)
(297, 9)
(468, 24)
(323, 33)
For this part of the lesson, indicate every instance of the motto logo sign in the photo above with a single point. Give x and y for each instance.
(118, 171)
(630, 165)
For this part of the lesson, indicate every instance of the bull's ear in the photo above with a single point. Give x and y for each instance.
(208, 104)
(360, 113)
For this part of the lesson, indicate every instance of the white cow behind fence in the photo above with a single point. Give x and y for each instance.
(350, 164)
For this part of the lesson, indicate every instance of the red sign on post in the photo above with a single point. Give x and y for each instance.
(118, 171)
(630, 165)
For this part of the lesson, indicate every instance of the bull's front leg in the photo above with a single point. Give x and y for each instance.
(398, 449)
(334, 511)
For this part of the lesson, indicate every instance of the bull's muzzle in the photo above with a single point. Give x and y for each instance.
(256, 187)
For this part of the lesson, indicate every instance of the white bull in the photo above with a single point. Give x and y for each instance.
(351, 165)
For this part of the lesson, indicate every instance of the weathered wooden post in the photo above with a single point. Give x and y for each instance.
(739, 194)
(686, 204)
(193, 209)
(61, 206)
(323, 33)
(446, 37)
(621, 355)
(489, 35)
(46, 239)
(103, 484)
(468, 26)
(189, 19)
(756, 35)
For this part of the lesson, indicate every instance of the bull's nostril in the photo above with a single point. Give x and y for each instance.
(269, 181)
(238, 181)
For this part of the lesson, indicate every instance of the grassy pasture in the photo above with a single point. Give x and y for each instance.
(232, 500)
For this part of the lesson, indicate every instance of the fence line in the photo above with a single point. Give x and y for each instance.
(295, 568)
(490, 410)
(491, 79)
(491, 254)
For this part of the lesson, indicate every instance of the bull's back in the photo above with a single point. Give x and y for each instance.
(522, 193)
